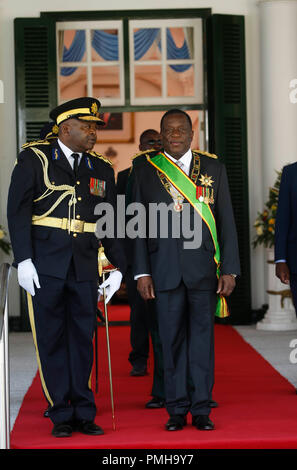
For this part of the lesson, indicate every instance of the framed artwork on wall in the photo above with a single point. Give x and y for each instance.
(119, 127)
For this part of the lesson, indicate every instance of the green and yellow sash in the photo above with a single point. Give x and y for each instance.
(187, 188)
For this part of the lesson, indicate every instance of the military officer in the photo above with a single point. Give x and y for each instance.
(55, 186)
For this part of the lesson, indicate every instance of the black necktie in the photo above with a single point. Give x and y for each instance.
(75, 157)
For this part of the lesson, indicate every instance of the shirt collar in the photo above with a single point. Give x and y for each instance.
(185, 159)
(67, 151)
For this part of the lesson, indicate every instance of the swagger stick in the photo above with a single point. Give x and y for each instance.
(108, 354)
(106, 267)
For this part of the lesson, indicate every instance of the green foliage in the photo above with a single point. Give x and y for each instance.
(4, 245)
(265, 221)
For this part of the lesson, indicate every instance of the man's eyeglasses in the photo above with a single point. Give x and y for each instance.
(154, 142)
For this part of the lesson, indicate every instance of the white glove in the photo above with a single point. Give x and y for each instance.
(27, 276)
(111, 285)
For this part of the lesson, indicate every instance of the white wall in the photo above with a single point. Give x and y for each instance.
(10, 9)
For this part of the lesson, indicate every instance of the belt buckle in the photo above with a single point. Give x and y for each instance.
(77, 226)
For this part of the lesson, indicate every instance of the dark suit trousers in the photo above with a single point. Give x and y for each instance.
(139, 328)
(186, 326)
(64, 316)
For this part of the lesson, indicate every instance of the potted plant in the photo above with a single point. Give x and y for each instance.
(265, 221)
(4, 244)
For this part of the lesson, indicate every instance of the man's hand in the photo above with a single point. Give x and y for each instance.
(27, 276)
(145, 287)
(111, 285)
(282, 272)
(226, 285)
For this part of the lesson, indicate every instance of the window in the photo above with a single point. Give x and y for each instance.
(166, 63)
(90, 61)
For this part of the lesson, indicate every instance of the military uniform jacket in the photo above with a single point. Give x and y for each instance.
(52, 249)
(166, 258)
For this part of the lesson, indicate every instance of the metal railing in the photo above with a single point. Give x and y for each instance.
(4, 359)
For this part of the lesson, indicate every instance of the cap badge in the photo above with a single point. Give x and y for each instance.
(55, 129)
(94, 108)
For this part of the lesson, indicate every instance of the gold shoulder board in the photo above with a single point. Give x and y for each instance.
(144, 152)
(211, 155)
(34, 143)
(98, 155)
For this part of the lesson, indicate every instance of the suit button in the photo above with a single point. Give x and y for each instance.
(53, 182)
(75, 235)
(78, 216)
(78, 182)
(79, 198)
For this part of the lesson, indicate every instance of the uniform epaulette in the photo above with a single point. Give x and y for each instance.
(144, 152)
(102, 157)
(211, 155)
(36, 142)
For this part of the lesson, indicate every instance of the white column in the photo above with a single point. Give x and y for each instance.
(278, 39)
(278, 30)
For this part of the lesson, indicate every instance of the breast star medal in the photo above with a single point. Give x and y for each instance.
(206, 180)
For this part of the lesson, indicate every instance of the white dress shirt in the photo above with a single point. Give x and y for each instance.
(68, 152)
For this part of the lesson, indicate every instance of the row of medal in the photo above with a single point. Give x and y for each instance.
(202, 194)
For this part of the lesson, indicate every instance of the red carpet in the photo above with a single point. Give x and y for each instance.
(257, 407)
(117, 312)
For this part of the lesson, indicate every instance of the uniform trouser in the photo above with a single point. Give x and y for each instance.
(186, 326)
(293, 287)
(139, 328)
(62, 315)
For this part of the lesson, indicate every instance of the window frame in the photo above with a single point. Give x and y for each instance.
(87, 26)
(196, 61)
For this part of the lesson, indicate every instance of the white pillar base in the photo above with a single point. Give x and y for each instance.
(280, 315)
(278, 321)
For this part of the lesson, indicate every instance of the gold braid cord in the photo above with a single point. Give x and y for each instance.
(211, 155)
(66, 190)
(144, 152)
(98, 155)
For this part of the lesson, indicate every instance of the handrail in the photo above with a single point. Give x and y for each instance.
(4, 359)
(4, 275)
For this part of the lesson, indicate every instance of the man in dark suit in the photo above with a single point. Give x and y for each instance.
(188, 285)
(286, 230)
(139, 316)
(55, 187)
